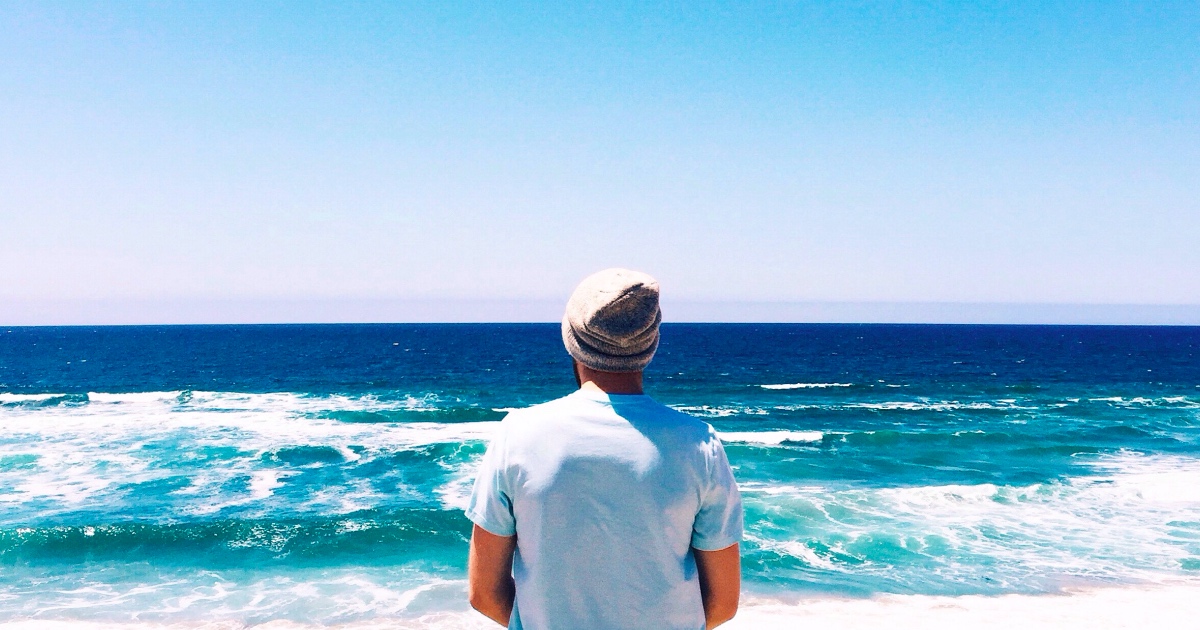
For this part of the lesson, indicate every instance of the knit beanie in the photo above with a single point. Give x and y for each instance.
(612, 320)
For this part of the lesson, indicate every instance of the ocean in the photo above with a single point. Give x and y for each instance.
(315, 475)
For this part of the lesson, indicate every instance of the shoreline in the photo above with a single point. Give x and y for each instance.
(1104, 608)
(1098, 608)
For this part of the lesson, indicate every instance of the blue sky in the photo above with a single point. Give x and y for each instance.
(314, 155)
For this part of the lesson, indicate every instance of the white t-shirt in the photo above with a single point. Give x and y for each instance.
(607, 495)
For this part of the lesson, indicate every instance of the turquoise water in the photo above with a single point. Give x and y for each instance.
(317, 473)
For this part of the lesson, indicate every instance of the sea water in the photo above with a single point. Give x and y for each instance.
(316, 475)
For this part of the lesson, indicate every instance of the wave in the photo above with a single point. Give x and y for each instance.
(191, 463)
(403, 407)
(12, 400)
(771, 437)
(946, 405)
(199, 454)
(137, 398)
(1127, 475)
(447, 416)
(1173, 605)
(370, 537)
(806, 385)
(200, 457)
(1174, 402)
(1135, 518)
(1154, 479)
(255, 427)
(720, 411)
(1169, 605)
(1005, 405)
(414, 419)
(8, 398)
(112, 595)
(294, 402)
(725, 411)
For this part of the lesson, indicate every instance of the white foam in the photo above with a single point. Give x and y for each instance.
(944, 405)
(710, 411)
(912, 405)
(796, 549)
(805, 385)
(85, 454)
(270, 401)
(1113, 608)
(1174, 606)
(1154, 479)
(364, 596)
(264, 482)
(456, 493)
(779, 489)
(267, 421)
(770, 437)
(1143, 401)
(140, 398)
(1122, 523)
(6, 397)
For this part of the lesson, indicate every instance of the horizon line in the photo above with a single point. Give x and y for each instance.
(298, 311)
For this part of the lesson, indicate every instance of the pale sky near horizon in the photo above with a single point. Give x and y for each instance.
(989, 152)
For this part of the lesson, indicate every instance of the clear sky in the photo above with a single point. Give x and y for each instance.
(329, 153)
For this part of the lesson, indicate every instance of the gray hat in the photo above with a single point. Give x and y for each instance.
(612, 321)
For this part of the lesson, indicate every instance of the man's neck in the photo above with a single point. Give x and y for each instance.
(609, 382)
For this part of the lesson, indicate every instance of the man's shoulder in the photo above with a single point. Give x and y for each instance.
(548, 409)
(688, 428)
(536, 419)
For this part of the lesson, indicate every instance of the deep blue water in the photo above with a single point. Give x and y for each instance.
(316, 473)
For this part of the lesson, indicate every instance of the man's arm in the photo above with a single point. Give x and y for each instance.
(720, 583)
(490, 585)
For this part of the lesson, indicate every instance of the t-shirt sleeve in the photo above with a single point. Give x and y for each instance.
(719, 521)
(491, 500)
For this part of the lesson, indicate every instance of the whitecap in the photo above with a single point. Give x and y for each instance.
(140, 398)
(1129, 521)
(87, 457)
(795, 549)
(772, 489)
(264, 482)
(805, 385)
(717, 411)
(944, 405)
(770, 437)
(1154, 478)
(8, 398)
(456, 493)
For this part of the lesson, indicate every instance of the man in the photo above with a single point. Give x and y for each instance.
(604, 509)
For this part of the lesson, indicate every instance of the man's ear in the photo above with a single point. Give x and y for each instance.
(575, 368)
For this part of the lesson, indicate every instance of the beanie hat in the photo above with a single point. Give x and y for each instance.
(612, 320)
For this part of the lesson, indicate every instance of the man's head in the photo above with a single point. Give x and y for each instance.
(612, 320)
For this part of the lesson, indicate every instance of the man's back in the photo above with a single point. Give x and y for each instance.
(606, 495)
(605, 509)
